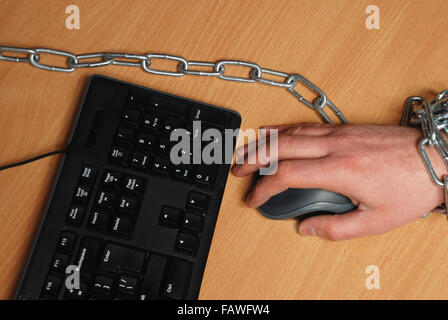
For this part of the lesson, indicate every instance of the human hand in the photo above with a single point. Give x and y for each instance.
(377, 167)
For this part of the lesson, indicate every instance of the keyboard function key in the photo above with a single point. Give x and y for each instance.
(59, 262)
(67, 241)
(52, 285)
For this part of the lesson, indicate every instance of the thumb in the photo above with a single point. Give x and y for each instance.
(354, 224)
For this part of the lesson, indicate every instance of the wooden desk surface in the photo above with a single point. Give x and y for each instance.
(367, 73)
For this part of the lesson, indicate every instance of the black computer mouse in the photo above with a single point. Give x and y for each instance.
(305, 203)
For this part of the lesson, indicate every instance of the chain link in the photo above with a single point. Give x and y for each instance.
(184, 67)
(432, 117)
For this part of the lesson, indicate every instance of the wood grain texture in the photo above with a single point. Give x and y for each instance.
(367, 73)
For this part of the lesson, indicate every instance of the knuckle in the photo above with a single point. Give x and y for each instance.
(285, 141)
(283, 171)
(332, 234)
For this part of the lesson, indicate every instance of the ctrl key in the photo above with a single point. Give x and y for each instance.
(178, 279)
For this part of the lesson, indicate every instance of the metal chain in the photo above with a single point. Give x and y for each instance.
(184, 67)
(432, 117)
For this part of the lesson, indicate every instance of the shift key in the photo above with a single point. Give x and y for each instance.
(116, 258)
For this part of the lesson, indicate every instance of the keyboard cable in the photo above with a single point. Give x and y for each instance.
(21, 163)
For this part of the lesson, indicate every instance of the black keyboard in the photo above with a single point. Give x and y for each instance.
(123, 221)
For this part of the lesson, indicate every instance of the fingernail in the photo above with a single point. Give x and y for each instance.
(307, 231)
(236, 167)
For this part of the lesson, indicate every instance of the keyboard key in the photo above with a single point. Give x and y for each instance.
(197, 201)
(52, 285)
(111, 178)
(152, 280)
(127, 285)
(47, 297)
(134, 184)
(103, 284)
(125, 135)
(164, 144)
(140, 160)
(208, 115)
(170, 217)
(192, 222)
(117, 258)
(161, 165)
(105, 198)
(187, 242)
(138, 99)
(59, 262)
(67, 241)
(167, 105)
(127, 204)
(75, 215)
(146, 140)
(177, 280)
(77, 294)
(205, 175)
(182, 171)
(152, 121)
(82, 193)
(88, 173)
(172, 123)
(119, 155)
(87, 255)
(131, 116)
(99, 220)
(121, 226)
